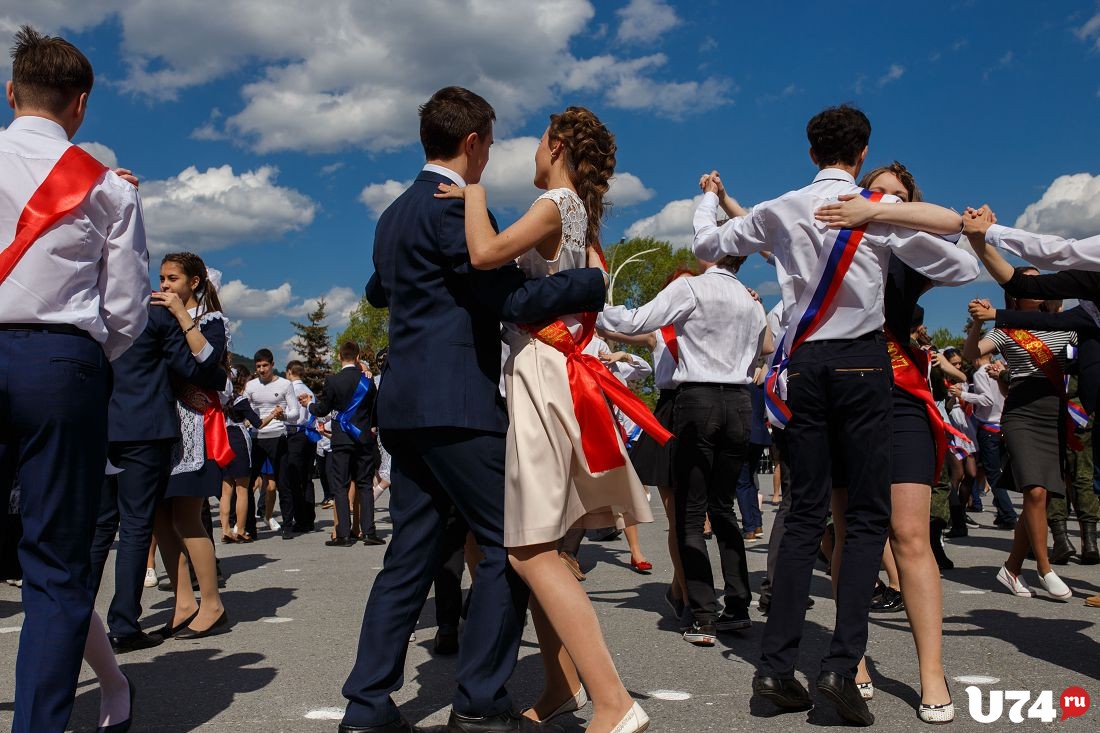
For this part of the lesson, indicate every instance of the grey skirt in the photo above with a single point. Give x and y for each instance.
(1033, 429)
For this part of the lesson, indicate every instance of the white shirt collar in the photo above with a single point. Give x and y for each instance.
(39, 124)
(720, 271)
(349, 366)
(834, 174)
(444, 171)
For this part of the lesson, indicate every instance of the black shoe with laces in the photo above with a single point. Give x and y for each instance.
(888, 602)
(701, 634)
(733, 619)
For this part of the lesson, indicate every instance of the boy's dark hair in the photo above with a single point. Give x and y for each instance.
(838, 135)
(448, 117)
(264, 355)
(731, 263)
(47, 72)
(349, 351)
(295, 368)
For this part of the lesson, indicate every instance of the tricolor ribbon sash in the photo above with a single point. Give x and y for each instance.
(64, 189)
(343, 417)
(989, 427)
(1044, 358)
(810, 312)
(1077, 413)
(591, 385)
(668, 333)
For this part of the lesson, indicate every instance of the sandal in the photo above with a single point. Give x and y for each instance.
(229, 539)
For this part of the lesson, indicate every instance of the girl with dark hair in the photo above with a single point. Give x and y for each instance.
(550, 485)
(235, 477)
(186, 291)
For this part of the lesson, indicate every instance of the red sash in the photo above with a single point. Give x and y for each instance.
(912, 380)
(668, 333)
(1044, 358)
(214, 432)
(592, 385)
(64, 189)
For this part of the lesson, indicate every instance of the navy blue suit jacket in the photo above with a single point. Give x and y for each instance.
(143, 406)
(337, 395)
(443, 366)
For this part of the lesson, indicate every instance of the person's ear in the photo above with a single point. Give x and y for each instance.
(10, 88)
(470, 143)
(814, 158)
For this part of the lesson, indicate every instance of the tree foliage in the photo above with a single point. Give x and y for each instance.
(312, 343)
(368, 327)
(942, 338)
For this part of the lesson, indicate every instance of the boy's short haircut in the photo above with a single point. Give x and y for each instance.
(264, 355)
(295, 368)
(47, 72)
(838, 135)
(449, 117)
(349, 351)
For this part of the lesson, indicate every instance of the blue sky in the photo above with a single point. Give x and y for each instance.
(269, 135)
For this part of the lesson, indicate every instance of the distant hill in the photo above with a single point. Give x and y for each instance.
(239, 359)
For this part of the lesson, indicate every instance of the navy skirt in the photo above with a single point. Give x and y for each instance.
(204, 483)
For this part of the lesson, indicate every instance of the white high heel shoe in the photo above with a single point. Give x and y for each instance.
(866, 690)
(573, 704)
(635, 721)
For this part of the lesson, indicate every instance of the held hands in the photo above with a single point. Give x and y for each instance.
(450, 191)
(712, 183)
(127, 175)
(277, 413)
(981, 310)
(613, 356)
(365, 368)
(304, 399)
(995, 369)
(955, 390)
(976, 223)
(850, 211)
(171, 301)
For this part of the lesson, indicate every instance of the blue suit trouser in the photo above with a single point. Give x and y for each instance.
(54, 390)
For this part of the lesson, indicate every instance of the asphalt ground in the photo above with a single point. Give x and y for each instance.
(296, 608)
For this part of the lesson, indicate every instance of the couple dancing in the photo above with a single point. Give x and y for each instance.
(520, 475)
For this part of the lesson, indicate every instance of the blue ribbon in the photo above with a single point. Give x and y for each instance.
(343, 417)
(311, 430)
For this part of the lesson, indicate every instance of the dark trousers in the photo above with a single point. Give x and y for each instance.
(990, 450)
(748, 500)
(300, 453)
(276, 450)
(711, 424)
(779, 523)
(839, 394)
(54, 390)
(346, 464)
(321, 464)
(128, 505)
(435, 469)
(448, 579)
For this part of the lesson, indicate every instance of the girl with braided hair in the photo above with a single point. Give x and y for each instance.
(198, 459)
(554, 481)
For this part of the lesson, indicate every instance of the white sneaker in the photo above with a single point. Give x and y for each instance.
(635, 721)
(150, 578)
(1015, 583)
(14, 583)
(274, 524)
(1053, 585)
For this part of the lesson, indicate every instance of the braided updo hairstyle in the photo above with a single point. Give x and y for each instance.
(193, 266)
(590, 160)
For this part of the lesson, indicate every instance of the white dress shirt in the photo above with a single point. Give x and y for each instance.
(986, 397)
(300, 389)
(265, 397)
(664, 366)
(446, 172)
(91, 270)
(1047, 250)
(719, 326)
(787, 227)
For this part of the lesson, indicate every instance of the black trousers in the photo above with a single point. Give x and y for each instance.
(448, 579)
(779, 522)
(434, 471)
(321, 464)
(346, 464)
(839, 396)
(277, 451)
(128, 506)
(711, 424)
(300, 454)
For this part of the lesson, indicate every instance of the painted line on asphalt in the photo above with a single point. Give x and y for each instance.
(973, 592)
(976, 680)
(325, 714)
(10, 629)
(293, 570)
(674, 695)
(276, 620)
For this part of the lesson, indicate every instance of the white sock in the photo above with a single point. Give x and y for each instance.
(114, 690)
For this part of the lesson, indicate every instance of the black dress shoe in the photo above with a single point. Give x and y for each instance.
(124, 725)
(786, 693)
(214, 628)
(168, 630)
(373, 539)
(398, 726)
(889, 601)
(844, 694)
(287, 534)
(135, 641)
(340, 542)
(446, 642)
(509, 722)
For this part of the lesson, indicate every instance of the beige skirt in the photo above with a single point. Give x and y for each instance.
(548, 487)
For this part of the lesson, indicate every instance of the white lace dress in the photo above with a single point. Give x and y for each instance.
(548, 487)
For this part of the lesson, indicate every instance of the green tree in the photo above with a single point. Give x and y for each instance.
(942, 338)
(311, 341)
(368, 327)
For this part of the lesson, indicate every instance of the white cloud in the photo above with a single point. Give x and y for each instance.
(216, 208)
(627, 85)
(768, 287)
(242, 301)
(1091, 29)
(377, 196)
(644, 21)
(509, 181)
(337, 74)
(1070, 207)
(340, 301)
(102, 153)
(671, 224)
(894, 73)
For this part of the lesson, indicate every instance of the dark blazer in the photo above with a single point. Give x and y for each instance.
(142, 402)
(443, 367)
(337, 394)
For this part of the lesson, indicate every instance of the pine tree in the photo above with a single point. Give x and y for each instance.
(311, 342)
